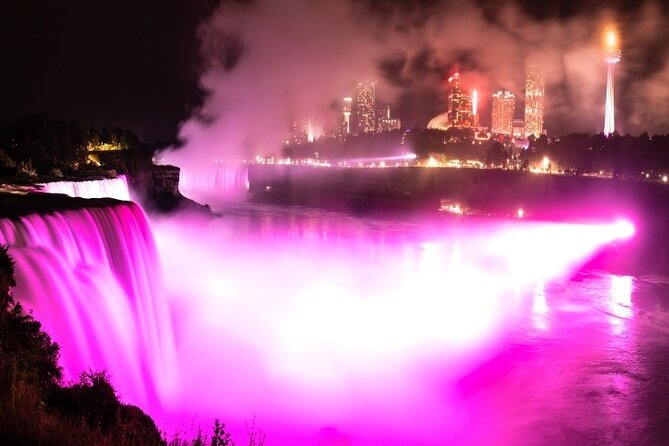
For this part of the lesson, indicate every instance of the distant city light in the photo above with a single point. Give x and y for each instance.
(546, 163)
(665, 178)
(520, 213)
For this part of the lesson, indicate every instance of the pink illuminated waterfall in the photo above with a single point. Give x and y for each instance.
(216, 183)
(91, 278)
(103, 188)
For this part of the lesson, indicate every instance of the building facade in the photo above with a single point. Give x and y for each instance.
(534, 101)
(384, 120)
(503, 109)
(459, 103)
(365, 108)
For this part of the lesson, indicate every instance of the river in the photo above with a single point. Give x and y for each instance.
(325, 328)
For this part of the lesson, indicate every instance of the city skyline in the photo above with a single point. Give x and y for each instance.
(201, 84)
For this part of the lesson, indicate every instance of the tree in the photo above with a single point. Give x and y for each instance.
(221, 437)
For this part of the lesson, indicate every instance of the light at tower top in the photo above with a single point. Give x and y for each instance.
(612, 53)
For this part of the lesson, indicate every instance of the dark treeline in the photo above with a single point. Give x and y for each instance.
(620, 155)
(43, 145)
(356, 147)
(450, 144)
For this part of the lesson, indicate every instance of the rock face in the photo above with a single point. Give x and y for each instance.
(158, 180)
(158, 190)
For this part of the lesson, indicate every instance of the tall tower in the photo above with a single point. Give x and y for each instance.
(346, 110)
(365, 108)
(459, 104)
(503, 108)
(535, 85)
(612, 55)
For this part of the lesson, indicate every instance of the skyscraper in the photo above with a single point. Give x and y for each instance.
(612, 56)
(459, 104)
(365, 108)
(534, 101)
(503, 108)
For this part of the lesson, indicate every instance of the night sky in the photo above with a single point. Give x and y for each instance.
(136, 63)
(126, 62)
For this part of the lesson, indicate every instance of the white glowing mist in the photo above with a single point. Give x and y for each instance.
(103, 188)
(306, 319)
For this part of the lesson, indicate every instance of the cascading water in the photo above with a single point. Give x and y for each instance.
(91, 278)
(104, 188)
(215, 184)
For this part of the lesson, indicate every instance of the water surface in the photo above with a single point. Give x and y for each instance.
(331, 329)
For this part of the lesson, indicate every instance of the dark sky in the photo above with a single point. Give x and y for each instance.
(134, 63)
(131, 63)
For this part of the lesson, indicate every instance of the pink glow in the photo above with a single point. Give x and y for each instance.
(623, 229)
(330, 324)
(302, 319)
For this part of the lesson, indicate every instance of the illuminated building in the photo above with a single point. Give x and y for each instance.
(300, 131)
(347, 106)
(365, 108)
(384, 121)
(503, 108)
(612, 56)
(459, 104)
(306, 128)
(535, 85)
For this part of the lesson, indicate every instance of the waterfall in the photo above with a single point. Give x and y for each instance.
(104, 188)
(91, 277)
(215, 184)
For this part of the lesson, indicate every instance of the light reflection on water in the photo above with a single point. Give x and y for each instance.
(383, 332)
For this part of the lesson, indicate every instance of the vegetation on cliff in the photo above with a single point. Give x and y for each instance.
(41, 145)
(35, 406)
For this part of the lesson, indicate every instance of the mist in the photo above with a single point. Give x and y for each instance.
(267, 61)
